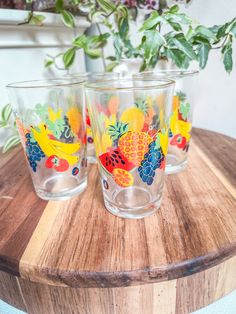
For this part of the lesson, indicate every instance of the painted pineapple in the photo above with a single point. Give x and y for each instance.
(134, 145)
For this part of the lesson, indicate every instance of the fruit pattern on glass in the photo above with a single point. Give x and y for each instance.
(111, 109)
(180, 127)
(133, 142)
(55, 140)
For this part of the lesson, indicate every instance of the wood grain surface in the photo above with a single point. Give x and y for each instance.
(77, 243)
(178, 296)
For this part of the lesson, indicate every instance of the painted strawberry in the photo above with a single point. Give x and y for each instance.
(56, 163)
(179, 141)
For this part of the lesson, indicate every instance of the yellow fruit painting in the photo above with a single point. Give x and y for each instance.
(75, 119)
(134, 117)
(164, 142)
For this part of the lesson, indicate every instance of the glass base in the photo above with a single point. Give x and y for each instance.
(92, 159)
(173, 164)
(53, 185)
(137, 202)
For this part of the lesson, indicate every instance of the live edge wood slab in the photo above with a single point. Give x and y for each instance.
(75, 257)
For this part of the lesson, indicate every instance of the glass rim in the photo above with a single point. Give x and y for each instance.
(57, 82)
(86, 75)
(172, 73)
(154, 85)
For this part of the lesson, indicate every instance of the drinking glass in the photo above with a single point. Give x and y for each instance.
(50, 116)
(131, 141)
(180, 123)
(93, 77)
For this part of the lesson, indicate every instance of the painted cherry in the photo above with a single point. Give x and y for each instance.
(58, 164)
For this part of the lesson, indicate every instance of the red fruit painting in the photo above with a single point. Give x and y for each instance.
(179, 141)
(153, 134)
(115, 159)
(180, 117)
(56, 163)
(145, 127)
(87, 118)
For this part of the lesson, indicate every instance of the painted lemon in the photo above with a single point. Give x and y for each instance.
(176, 102)
(164, 142)
(180, 127)
(106, 142)
(75, 119)
(135, 119)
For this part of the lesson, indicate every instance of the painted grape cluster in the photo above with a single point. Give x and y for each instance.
(153, 160)
(33, 151)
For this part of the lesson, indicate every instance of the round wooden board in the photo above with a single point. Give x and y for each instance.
(77, 243)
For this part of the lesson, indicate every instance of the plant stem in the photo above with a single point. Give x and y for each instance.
(103, 56)
(30, 16)
(223, 43)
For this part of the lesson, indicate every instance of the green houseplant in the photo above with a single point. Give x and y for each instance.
(165, 34)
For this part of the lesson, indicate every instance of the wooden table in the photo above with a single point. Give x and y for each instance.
(75, 257)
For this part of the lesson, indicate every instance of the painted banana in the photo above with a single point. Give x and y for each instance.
(49, 148)
(67, 148)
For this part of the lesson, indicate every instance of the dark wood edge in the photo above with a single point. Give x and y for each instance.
(83, 279)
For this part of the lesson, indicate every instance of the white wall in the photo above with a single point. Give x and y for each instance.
(23, 49)
(215, 90)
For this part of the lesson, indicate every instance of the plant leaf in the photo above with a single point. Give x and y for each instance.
(117, 45)
(182, 44)
(153, 40)
(203, 53)
(6, 112)
(69, 57)
(206, 32)
(48, 63)
(80, 41)
(37, 19)
(177, 56)
(11, 142)
(123, 26)
(174, 9)
(176, 26)
(111, 58)
(106, 5)
(59, 5)
(3, 124)
(111, 66)
(67, 18)
(227, 57)
(178, 18)
(233, 29)
(152, 21)
(93, 53)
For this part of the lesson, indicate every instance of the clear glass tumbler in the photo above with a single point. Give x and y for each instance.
(180, 123)
(50, 116)
(131, 140)
(93, 77)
